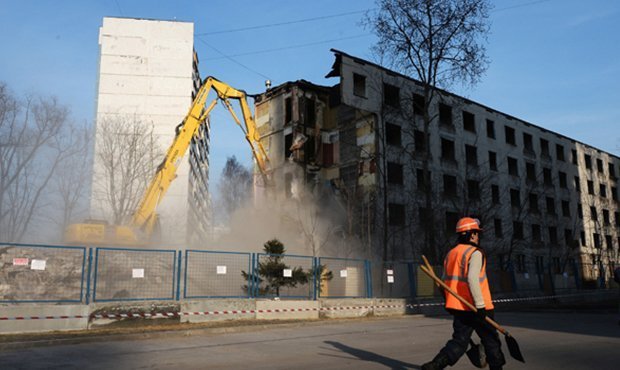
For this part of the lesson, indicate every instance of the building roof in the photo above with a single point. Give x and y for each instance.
(335, 72)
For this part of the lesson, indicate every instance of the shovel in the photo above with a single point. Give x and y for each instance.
(513, 346)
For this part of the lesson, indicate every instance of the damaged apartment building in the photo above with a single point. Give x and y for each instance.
(547, 202)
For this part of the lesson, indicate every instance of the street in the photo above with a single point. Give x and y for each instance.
(548, 340)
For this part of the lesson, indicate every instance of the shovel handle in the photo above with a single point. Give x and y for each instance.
(432, 275)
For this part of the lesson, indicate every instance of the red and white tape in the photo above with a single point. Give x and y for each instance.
(275, 310)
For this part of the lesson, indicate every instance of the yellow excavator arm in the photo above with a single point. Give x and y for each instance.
(145, 217)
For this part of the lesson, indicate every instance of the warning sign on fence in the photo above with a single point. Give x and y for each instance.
(20, 261)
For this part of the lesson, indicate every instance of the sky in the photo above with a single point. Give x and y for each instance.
(554, 63)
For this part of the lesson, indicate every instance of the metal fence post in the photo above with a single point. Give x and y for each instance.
(368, 279)
(88, 273)
(179, 275)
(413, 291)
(316, 282)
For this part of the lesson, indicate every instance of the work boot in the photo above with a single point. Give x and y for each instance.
(439, 362)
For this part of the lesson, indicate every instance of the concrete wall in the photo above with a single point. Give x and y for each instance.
(42, 325)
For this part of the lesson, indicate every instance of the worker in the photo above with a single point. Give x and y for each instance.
(465, 273)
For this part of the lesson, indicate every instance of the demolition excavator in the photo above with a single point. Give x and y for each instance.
(143, 225)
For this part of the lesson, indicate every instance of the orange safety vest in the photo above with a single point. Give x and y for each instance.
(455, 267)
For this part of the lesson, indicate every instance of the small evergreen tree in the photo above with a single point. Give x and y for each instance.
(271, 271)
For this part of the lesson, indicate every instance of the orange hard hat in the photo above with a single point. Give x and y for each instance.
(467, 224)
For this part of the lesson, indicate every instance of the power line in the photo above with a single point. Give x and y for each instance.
(521, 5)
(233, 60)
(290, 47)
(271, 25)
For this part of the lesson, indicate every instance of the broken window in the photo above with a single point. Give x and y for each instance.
(497, 225)
(577, 184)
(359, 85)
(527, 143)
(593, 214)
(473, 189)
(449, 186)
(396, 214)
(559, 152)
(547, 177)
(391, 95)
(392, 134)
(562, 178)
(395, 173)
(550, 205)
(515, 198)
(492, 161)
(510, 135)
(288, 142)
(517, 230)
(565, 208)
(553, 235)
(590, 187)
(445, 114)
(534, 203)
(544, 147)
(451, 219)
(422, 182)
(606, 219)
(495, 194)
(574, 154)
(612, 170)
(418, 104)
(419, 141)
(513, 169)
(536, 234)
(288, 110)
(599, 164)
(310, 116)
(603, 190)
(469, 121)
(530, 172)
(588, 160)
(447, 150)
(490, 129)
(471, 155)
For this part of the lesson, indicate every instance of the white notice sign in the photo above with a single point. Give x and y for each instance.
(390, 272)
(526, 275)
(221, 270)
(37, 265)
(390, 279)
(343, 273)
(565, 274)
(137, 273)
(287, 273)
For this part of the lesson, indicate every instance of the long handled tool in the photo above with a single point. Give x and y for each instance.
(511, 342)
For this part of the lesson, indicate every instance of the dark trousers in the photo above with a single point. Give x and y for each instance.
(464, 324)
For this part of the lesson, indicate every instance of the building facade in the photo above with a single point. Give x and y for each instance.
(548, 203)
(148, 75)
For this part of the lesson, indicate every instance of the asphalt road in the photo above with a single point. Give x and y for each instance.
(560, 340)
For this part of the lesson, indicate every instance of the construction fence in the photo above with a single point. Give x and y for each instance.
(48, 273)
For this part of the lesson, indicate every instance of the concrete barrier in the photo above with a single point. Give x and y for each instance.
(333, 305)
(218, 310)
(308, 310)
(29, 325)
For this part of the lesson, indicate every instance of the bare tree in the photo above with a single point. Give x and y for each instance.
(439, 43)
(71, 183)
(235, 187)
(33, 143)
(126, 157)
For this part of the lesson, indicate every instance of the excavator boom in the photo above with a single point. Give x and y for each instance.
(145, 218)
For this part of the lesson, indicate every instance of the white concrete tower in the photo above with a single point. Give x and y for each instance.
(146, 74)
